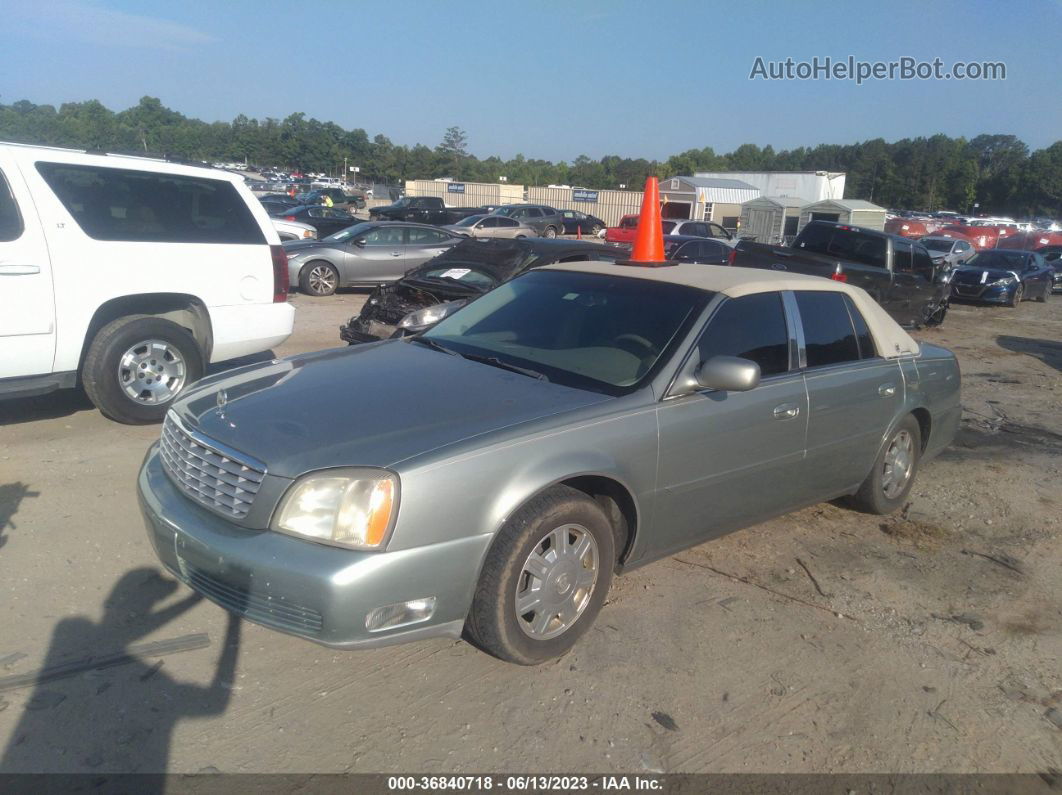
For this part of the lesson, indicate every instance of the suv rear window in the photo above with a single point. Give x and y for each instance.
(10, 218)
(145, 206)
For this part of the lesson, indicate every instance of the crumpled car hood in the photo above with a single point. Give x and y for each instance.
(366, 405)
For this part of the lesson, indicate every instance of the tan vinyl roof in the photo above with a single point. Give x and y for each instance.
(735, 282)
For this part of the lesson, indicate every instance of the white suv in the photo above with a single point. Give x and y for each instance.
(128, 275)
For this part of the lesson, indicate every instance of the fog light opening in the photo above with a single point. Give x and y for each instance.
(400, 614)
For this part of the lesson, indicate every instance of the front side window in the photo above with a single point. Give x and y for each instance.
(10, 218)
(829, 337)
(145, 206)
(585, 330)
(752, 327)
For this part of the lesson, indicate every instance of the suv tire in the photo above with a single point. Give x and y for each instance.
(140, 354)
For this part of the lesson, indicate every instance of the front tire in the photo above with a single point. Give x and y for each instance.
(595, 230)
(545, 578)
(319, 279)
(1018, 296)
(889, 482)
(136, 367)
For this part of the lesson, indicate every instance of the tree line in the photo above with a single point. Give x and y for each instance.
(997, 172)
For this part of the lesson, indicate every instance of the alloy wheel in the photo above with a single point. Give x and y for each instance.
(152, 372)
(323, 280)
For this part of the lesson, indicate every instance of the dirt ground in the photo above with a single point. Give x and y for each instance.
(824, 641)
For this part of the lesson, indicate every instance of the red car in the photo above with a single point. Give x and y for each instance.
(1032, 241)
(980, 237)
(624, 232)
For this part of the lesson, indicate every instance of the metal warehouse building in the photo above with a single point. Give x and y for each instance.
(771, 219)
(706, 199)
(812, 186)
(846, 211)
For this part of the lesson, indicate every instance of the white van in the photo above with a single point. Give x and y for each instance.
(128, 275)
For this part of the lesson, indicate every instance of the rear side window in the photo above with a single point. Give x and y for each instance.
(10, 218)
(829, 337)
(143, 206)
(752, 327)
(863, 335)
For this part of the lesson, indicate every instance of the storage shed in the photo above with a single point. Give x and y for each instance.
(771, 219)
(846, 211)
(705, 199)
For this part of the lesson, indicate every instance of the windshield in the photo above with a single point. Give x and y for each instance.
(349, 232)
(462, 276)
(585, 330)
(937, 245)
(997, 259)
(470, 221)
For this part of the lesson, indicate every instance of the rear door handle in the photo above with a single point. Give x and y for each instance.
(396, 253)
(887, 390)
(19, 270)
(786, 411)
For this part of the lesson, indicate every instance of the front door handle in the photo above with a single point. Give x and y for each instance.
(19, 270)
(887, 390)
(396, 253)
(786, 411)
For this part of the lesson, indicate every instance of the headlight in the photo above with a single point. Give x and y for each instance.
(1003, 282)
(293, 254)
(429, 316)
(353, 508)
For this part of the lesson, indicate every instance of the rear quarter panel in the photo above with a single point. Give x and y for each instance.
(933, 381)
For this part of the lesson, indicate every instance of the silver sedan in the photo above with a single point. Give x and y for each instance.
(489, 477)
(364, 255)
(491, 226)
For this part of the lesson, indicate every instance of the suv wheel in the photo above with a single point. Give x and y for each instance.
(545, 578)
(550, 232)
(136, 367)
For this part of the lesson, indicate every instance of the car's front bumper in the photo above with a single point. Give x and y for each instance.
(318, 592)
(989, 295)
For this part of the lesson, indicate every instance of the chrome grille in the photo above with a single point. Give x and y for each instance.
(219, 480)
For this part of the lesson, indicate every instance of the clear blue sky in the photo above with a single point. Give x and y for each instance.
(551, 79)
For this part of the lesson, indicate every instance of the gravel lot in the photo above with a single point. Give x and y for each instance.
(824, 641)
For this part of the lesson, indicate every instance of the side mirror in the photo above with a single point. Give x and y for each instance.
(728, 374)
(359, 242)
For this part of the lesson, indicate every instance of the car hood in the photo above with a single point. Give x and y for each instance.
(366, 405)
(971, 273)
(303, 248)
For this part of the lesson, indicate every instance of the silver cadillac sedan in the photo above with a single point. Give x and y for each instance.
(492, 475)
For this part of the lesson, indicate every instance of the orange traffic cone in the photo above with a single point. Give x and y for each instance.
(649, 240)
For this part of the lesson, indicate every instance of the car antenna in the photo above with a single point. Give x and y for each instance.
(649, 240)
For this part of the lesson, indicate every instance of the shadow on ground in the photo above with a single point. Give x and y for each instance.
(102, 700)
(11, 497)
(1047, 351)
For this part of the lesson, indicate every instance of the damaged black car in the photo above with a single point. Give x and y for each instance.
(430, 292)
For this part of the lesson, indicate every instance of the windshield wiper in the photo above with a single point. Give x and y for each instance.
(432, 344)
(494, 361)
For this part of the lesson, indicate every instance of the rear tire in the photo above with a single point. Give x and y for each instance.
(889, 482)
(545, 578)
(318, 278)
(1044, 295)
(550, 232)
(142, 355)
